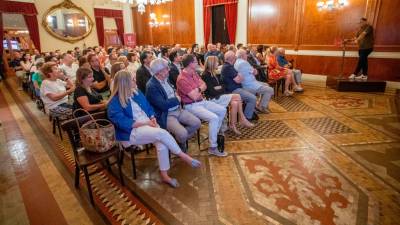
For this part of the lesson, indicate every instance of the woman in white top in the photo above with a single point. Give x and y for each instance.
(135, 124)
(53, 90)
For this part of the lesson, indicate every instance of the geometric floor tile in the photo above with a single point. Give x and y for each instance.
(326, 125)
(300, 188)
(292, 104)
(263, 130)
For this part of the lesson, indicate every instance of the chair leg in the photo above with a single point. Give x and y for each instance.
(119, 163)
(108, 165)
(133, 162)
(147, 149)
(54, 125)
(77, 173)
(59, 127)
(198, 138)
(89, 186)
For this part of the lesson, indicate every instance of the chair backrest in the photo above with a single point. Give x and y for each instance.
(72, 129)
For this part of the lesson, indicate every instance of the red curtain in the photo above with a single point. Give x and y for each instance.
(120, 29)
(230, 13)
(231, 18)
(207, 24)
(33, 28)
(111, 13)
(100, 30)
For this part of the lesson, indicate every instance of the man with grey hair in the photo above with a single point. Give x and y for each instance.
(166, 103)
(232, 81)
(250, 83)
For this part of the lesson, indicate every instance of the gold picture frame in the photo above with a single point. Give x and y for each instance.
(66, 4)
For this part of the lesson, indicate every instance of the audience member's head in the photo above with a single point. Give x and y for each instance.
(51, 71)
(188, 61)
(211, 64)
(124, 60)
(132, 57)
(241, 54)
(281, 51)
(94, 61)
(83, 62)
(84, 77)
(26, 57)
(175, 57)
(68, 59)
(164, 52)
(116, 68)
(146, 57)
(239, 46)
(124, 87)
(209, 47)
(230, 57)
(159, 68)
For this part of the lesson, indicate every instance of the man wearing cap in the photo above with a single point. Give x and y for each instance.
(190, 88)
(365, 41)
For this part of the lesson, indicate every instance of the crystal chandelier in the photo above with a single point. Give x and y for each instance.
(142, 3)
(331, 4)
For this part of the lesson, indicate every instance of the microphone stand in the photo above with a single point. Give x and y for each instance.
(344, 42)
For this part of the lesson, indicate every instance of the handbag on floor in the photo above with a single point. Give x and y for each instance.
(97, 135)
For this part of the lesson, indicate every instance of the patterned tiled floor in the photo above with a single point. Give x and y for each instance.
(321, 157)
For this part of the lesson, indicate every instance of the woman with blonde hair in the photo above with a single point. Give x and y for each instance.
(135, 124)
(216, 92)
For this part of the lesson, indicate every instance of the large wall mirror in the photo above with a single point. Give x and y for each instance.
(67, 22)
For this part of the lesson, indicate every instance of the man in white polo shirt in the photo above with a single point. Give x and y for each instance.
(68, 67)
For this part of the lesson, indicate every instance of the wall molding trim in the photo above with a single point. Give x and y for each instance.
(349, 54)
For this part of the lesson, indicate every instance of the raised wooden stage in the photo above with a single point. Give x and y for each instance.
(356, 85)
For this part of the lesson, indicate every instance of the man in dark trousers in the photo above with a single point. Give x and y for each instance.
(143, 74)
(365, 41)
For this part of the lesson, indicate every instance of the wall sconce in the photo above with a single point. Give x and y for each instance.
(331, 4)
(155, 23)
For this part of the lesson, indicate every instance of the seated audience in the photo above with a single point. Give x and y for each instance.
(101, 78)
(257, 64)
(114, 69)
(232, 81)
(277, 72)
(190, 88)
(211, 51)
(216, 92)
(250, 83)
(84, 96)
(179, 122)
(37, 78)
(143, 74)
(112, 58)
(15, 63)
(69, 67)
(174, 67)
(283, 62)
(134, 63)
(135, 124)
(55, 87)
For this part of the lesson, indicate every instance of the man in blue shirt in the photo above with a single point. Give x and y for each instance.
(232, 81)
(250, 83)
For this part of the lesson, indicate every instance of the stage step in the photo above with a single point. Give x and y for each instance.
(355, 85)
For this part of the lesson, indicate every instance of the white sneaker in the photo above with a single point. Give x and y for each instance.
(363, 77)
(298, 89)
(352, 76)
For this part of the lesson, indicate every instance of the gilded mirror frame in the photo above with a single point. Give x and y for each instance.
(67, 4)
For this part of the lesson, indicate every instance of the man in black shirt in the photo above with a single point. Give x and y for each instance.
(232, 81)
(19, 71)
(101, 78)
(143, 74)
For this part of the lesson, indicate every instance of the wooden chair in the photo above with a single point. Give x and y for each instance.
(84, 159)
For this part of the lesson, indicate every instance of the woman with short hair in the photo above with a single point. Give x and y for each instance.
(55, 87)
(135, 124)
(216, 92)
